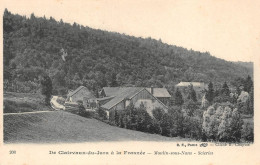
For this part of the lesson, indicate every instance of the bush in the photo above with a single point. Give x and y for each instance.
(82, 111)
(248, 132)
(194, 125)
(134, 119)
(154, 127)
(158, 114)
(143, 120)
(102, 114)
(16, 107)
(178, 121)
(190, 107)
(166, 124)
(81, 108)
(87, 114)
(222, 124)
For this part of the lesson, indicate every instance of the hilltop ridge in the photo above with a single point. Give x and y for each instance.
(97, 58)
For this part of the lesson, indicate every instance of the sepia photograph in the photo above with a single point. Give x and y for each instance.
(175, 73)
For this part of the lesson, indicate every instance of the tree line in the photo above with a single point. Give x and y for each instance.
(95, 58)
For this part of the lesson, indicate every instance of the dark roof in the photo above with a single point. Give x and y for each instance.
(111, 91)
(157, 92)
(75, 91)
(126, 93)
(104, 98)
(121, 94)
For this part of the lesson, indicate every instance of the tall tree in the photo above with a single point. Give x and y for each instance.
(46, 84)
(210, 92)
(97, 93)
(113, 82)
(192, 94)
(248, 84)
(238, 90)
(225, 89)
(116, 117)
(178, 100)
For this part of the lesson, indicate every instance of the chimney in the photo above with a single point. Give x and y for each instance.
(152, 90)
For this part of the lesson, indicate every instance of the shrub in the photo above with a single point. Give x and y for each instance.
(88, 114)
(248, 132)
(116, 118)
(81, 109)
(143, 120)
(196, 128)
(158, 113)
(15, 107)
(154, 127)
(102, 114)
(166, 124)
(190, 107)
(178, 119)
(223, 124)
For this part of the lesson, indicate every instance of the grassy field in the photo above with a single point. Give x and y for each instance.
(64, 127)
(23, 102)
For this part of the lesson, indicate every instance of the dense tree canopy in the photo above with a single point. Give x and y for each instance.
(97, 58)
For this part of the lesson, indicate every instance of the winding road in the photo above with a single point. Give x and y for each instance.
(55, 105)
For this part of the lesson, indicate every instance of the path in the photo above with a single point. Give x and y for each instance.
(55, 105)
(21, 113)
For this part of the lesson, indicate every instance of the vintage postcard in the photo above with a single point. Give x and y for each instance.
(130, 82)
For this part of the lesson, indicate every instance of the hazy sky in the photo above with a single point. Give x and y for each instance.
(228, 29)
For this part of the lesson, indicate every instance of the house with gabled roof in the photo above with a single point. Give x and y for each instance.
(160, 93)
(80, 94)
(136, 95)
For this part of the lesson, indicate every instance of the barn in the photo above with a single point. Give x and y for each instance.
(136, 95)
(80, 94)
(160, 93)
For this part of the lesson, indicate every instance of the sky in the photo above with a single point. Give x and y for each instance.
(228, 29)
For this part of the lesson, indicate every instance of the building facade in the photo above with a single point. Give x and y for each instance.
(136, 96)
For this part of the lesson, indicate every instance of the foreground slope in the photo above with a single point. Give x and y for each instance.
(60, 126)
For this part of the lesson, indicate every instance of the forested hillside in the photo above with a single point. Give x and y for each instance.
(97, 58)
